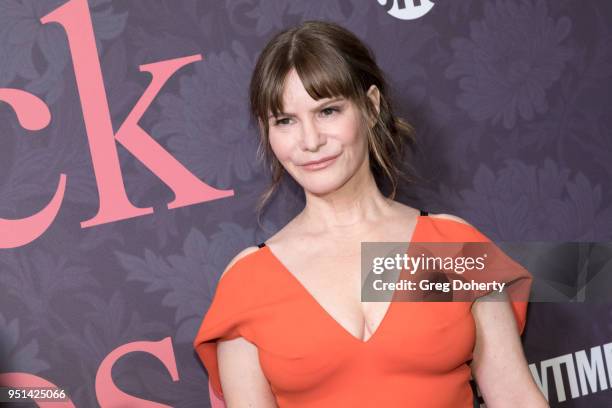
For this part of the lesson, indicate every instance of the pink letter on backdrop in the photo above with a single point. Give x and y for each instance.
(109, 396)
(17, 380)
(32, 114)
(75, 17)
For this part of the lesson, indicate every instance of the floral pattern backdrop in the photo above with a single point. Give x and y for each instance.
(512, 104)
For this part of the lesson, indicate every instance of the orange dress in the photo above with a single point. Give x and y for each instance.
(417, 357)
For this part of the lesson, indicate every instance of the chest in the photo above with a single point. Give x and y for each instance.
(332, 284)
(301, 348)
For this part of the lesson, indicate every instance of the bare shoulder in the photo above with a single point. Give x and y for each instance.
(239, 256)
(449, 217)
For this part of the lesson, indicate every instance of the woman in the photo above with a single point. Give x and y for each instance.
(287, 326)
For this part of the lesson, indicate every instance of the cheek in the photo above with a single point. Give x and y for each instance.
(281, 146)
(355, 143)
(347, 129)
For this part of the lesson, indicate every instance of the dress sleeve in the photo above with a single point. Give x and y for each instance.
(500, 268)
(227, 318)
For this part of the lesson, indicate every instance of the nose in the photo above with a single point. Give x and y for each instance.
(312, 138)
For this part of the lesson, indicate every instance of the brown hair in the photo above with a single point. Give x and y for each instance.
(330, 61)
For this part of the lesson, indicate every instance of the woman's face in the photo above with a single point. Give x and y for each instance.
(311, 130)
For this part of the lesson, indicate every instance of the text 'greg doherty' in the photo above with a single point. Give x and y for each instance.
(458, 264)
(425, 285)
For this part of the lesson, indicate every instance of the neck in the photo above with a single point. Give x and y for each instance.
(353, 208)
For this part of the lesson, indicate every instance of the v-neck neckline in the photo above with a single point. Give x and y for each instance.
(324, 311)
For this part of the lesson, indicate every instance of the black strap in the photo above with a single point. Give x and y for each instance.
(263, 244)
(424, 213)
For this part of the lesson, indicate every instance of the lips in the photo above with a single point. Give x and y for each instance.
(319, 164)
(320, 160)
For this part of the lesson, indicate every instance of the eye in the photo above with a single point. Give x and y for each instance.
(330, 110)
(281, 122)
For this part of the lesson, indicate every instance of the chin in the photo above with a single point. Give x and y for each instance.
(326, 185)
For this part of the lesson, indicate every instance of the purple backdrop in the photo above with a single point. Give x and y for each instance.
(511, 100)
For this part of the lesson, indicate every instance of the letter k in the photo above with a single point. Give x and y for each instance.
(75, 18)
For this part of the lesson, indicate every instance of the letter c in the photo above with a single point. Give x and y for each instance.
(32, 114)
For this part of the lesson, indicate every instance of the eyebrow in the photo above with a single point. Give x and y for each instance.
(339, 98)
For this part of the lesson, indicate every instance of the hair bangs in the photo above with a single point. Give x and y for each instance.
(326, 77)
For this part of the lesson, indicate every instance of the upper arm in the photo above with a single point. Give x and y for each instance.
(499, 364)
(242, 380)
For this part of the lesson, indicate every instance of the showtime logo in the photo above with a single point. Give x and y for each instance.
(407, 9)
(585, 371)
